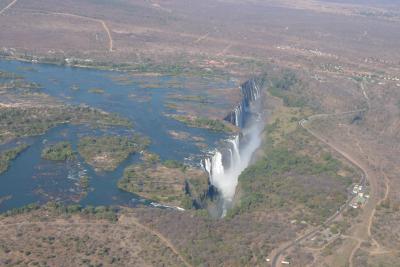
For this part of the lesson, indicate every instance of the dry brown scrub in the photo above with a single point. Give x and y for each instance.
(76, 240)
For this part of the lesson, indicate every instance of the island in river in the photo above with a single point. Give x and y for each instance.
(81, 142)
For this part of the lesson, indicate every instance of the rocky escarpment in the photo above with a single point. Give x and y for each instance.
(225, 164)
(251, 90)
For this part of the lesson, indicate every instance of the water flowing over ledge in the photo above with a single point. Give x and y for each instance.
(226, 163)
(251, 91)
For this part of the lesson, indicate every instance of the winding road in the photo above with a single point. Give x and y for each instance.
(8, 6)
(102, 22)
(158, 234)
(365, 176)
(281, 251)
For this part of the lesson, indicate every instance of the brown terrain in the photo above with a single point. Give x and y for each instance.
(128, 242)
(344, 52)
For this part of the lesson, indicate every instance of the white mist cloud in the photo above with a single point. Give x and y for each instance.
(241, 150)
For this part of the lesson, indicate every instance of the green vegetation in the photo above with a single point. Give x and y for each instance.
(288, 80)
(181, 65)
(107, 152)
(20, 122)
(171, 183)
(177, 66)
(174, 164)
(58, 152)
(200, 122)
(99, 212)
(95, 117)
(128, 181)
(357, 78)
(149, 157)
(152, 182)
(84, 182)
(290, 89)
(12, 81)
(284, 178)
(39, 112)
(296, 175)
(74, 235)
(96, 91)
(21, 210)
(19, 84)
(7, 156)
(191, 98)
(27, 68)
(171, 106)
(4, 75)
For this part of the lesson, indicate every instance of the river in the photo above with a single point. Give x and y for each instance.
(141, 99)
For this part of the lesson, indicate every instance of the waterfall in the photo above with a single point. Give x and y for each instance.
(250, 93)
(236, 155)
(239, 148)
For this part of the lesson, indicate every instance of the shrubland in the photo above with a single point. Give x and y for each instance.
(105, 153)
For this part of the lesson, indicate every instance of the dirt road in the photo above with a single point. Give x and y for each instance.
(8, 6)
(124, 219)
(366, 177)
(102, 22)
(361, 231)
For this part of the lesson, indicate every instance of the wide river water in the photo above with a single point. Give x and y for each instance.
(141, 99)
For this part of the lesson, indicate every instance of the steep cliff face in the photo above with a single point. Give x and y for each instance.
(251, 91)
(226, 163)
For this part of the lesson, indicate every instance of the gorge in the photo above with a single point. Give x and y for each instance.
(226, 163)
(229, 156)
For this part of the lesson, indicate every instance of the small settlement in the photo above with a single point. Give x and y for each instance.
(360, 196)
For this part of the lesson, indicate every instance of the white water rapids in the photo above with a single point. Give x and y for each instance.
(240, 148)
